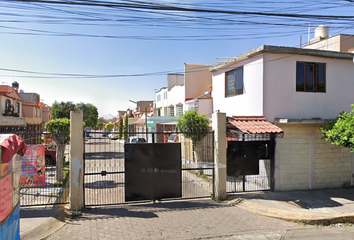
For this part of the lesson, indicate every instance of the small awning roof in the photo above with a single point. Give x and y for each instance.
(11, 144)
(253, 124)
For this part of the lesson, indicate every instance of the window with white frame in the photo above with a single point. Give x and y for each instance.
(17, 110)
(179, 110)
(165, 95)
(171, 111)
(193, 105)
(158, 98)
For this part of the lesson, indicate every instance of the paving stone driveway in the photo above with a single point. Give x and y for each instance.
(196, 219)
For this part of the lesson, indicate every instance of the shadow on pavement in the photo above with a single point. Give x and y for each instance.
(309, 199)
(103, 184)
(179, 205)
(104, 155)
(108, 212)
(37, 212)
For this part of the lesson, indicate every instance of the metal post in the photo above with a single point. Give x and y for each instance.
(146, 126)
(243, 163)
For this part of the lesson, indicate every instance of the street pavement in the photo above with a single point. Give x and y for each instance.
(193, 219)
(258, 215)
(312, 214)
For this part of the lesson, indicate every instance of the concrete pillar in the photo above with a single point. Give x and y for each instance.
(219, 127)
(76, 161)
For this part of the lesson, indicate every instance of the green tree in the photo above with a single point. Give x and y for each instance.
(60, 129)
(62, 109)
(120, 127)
(126, 127)
(194, 127)
(90, 113)
(341, 132)
(100, 122)
(109, 126)
(131, 113)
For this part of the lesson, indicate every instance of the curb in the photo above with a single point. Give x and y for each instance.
(48, 227)
(291, 216)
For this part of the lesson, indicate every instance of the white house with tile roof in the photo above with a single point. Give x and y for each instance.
(297, 89)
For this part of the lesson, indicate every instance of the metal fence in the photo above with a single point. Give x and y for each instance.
(51, 192)
(104, 174)
(250, 162)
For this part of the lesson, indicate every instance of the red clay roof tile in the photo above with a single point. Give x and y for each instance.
(253, 124)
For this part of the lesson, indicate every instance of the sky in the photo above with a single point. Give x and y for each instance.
(108, 55)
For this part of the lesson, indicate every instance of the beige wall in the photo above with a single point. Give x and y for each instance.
(174, 79)
(27, 111)
(33, 120)
(304, 161)
(46, 116)
(11, 121)
(197, 80)
(338, 43)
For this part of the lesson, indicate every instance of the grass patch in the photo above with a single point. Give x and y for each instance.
(202, 175)
(53, 194)
(76, 213)
(302, 223)
(216, 200)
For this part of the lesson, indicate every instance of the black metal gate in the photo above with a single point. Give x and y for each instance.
(152, 171)
(250, 163)
(115, 170)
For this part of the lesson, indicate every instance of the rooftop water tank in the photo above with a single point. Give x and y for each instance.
(15, 84)
(321, 31)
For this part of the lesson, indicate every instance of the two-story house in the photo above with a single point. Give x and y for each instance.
(297, 89)
(10, 106)
(31, 107)
(188, 91)
(169, 100)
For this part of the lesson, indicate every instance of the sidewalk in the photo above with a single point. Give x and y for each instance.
(325, 207)
(166, 219)
(40, 222)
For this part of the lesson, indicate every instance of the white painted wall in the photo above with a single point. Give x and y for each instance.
(176, 95)
(251, 102)
(282, 101)
(163, 101)
(278, 98)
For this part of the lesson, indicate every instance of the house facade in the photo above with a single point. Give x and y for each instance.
(188, 91)
(32, 110)
(198, 86)
(296, 89)
(10, 106)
